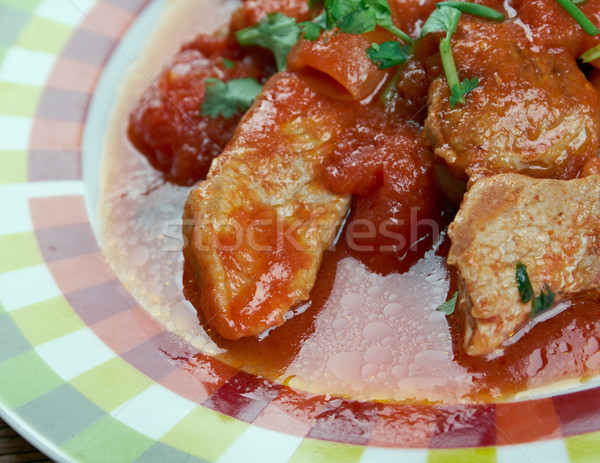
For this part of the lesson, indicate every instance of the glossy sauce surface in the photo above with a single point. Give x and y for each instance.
(367, 332)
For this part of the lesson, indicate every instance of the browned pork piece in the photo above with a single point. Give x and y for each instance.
(259, 224)
(534, 112)
(550, 226)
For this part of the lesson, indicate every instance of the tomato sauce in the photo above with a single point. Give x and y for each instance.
(167, 125)
(370, 329)
(560, 348)
(388, 169)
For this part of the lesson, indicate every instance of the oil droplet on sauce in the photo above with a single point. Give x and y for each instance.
(536, 363)
(416, 360)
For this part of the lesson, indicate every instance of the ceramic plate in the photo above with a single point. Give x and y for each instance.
(88, 375)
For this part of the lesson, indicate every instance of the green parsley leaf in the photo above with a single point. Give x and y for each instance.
(337, 10)
(447, 308)
(443, 19)
(543, 302)
(321, 20)
(381, 10)
(312, 3)
(474, 9)
(275, 32)
(591, 54)
(228, 63)
(358, 22)
(227, 99)
(388, 54)
(312, 29)
(459, 91)
(523, 283)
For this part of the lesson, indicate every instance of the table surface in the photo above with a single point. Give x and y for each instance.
(15, 449)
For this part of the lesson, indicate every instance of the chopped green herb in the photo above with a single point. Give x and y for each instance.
(228, 63)
(538, 303)
(543, 302)
(275, 32)
(458, 92)
(448, 307)
(312, 3)
(591, 54)
(579, 16)
(474, 9)
(358, 22)
(445, 19)
(523, 283)
(227, 99)
(383, 14)
(312, 29)
(388, 54)
(338, 10)
(360, 16)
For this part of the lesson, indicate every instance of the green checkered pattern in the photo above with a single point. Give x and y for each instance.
(20, 30)
(74, 416)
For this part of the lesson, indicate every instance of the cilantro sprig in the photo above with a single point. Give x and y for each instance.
(228, 98)
(275, 32)
(312, 29)
(279, 33)
(354, 17)
(459, 92)
(388, 54)
(538, 303)
(360, 16)
(445, 19)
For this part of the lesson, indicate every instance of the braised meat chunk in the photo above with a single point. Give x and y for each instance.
(550, 226)
(259, 224)
(534, 112)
